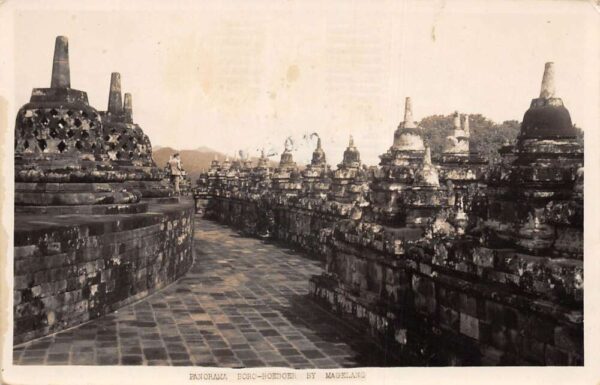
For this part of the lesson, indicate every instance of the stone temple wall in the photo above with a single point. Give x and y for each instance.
(455, 305)
(450, 263)
(302, 227)
(296, 223)
(95, 226)
(72, 269)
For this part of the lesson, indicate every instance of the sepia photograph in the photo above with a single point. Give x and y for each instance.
(299, 191)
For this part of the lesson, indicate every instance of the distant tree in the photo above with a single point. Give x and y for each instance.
(488, 141)
(486, 136)
(435, 130)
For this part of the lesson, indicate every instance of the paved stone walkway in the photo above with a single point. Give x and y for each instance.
(243, 304)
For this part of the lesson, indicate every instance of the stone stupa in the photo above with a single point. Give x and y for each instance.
(61, 162)
(128, 147)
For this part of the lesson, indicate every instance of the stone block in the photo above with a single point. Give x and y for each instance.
(391, 276)
(57, 260)
(53, 248)
(569, 242)
(484, 257)
(536, 327)
(449, 318)
(494, 312)
(373, 276)
(36, 291)
(569, 338)
(533, 350)
(500, 336)
(55, 301)
(23, 281)
(425, 269)
(53, 287)
(467, 304)
(26, 251)
(469, 326)
(496, 276)
(485, 332)
(425, 299)
(400, 336)
(24, 266)
(511, 317)
(447, 297)
(490, 356)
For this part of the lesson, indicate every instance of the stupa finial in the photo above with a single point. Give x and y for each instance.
(408, 115)
(61, 74)
(115, 104)
(456, 121)
(427, 156)
(466, 127)
(548, 89)
(128, 107)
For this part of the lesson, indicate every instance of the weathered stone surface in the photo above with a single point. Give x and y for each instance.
(59, 139)
(85, 243)
(61, 74)
(427, 257)
(129, 148)
(74, 268)
(209, 319)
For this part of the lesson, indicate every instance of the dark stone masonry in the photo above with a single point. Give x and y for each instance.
(426, 259)
(95, 226)
(452, 263)
(242, 304)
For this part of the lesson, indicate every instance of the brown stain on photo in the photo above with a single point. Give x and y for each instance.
(293, 73)
(436, 18)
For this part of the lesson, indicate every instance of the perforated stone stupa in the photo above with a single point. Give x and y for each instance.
(60, 157)
(86, 242)
(128, 148)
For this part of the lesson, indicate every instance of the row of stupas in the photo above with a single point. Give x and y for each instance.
(405, 189)
(67, 153)
(407, 164)
(478, 264)
(460, 177)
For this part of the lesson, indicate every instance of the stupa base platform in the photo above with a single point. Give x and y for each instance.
(128, 208)
(73, 268)
(150, 188)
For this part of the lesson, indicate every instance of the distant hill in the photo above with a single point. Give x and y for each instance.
(193, 161)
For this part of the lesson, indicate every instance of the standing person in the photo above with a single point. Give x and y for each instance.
(175, 170)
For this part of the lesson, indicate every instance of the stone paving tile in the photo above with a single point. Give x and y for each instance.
(244, 303)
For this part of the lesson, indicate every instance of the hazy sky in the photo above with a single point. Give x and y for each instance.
(249, 74)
